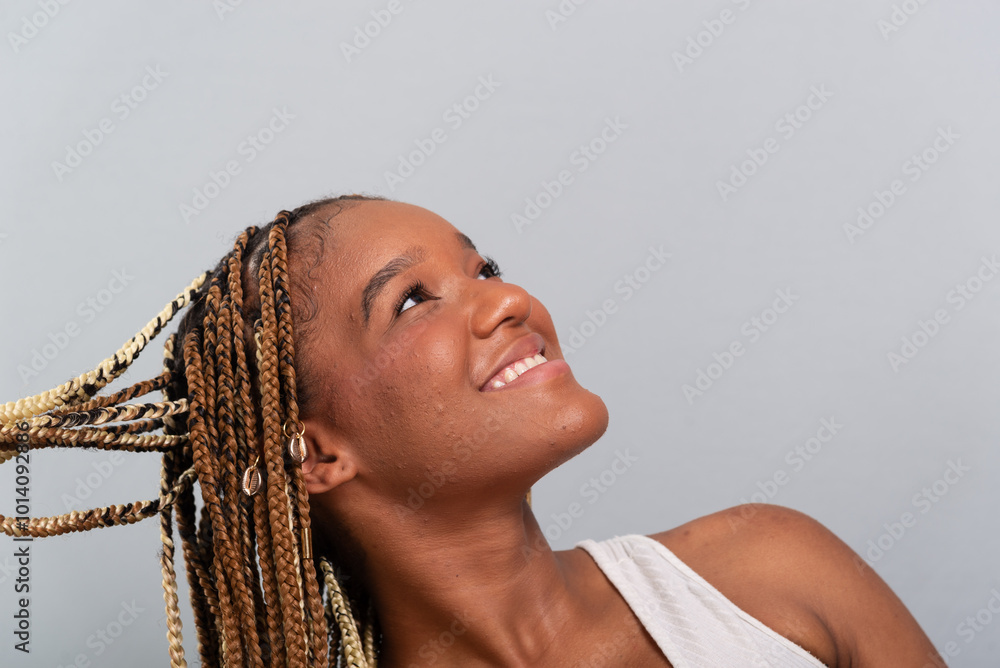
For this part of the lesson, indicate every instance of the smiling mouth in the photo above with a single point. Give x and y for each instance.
(513, 371)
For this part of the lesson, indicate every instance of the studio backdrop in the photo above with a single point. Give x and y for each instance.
(767, 233)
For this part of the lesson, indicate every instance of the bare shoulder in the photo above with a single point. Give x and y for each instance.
(797, 577)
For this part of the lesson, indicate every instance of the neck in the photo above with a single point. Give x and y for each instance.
(471, 587)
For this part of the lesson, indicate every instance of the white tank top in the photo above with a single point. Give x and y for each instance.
(691, 621)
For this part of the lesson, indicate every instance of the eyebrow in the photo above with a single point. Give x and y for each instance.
(393, 268)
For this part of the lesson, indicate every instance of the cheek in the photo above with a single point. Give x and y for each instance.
(414, 379)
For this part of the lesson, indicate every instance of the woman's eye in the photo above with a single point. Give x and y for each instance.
(417, 294)
(412, 294)
(490, 268)
(412, 298)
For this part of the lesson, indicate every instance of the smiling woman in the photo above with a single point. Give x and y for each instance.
(365, 404)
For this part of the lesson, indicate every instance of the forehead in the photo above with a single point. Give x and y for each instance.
(364, 238)
(375, 230)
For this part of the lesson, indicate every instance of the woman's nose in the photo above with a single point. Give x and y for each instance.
(496, 303)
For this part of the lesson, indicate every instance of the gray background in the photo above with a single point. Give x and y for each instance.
(62, 239)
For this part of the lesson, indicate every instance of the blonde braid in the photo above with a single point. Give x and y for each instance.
(339, 610)
(175, 635)
(369, 640)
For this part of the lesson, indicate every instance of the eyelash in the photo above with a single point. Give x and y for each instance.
(418, 287)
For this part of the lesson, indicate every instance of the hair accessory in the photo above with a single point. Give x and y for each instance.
(296, 444)
(307, 546)
(251, 479)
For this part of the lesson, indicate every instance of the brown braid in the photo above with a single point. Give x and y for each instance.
(267, 612)
(277, 499)
(234, 500)
(230, 394)
(286, 346)
(203, 433)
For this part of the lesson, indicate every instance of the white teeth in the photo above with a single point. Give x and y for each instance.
(515, 370)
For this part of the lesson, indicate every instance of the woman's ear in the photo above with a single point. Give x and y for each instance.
(329, 460)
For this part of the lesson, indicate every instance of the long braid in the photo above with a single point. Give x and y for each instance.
(230, 394)
(187, 529)
(232, 498)
(265, 552)
(213, 526)
(243, 432)
(224, 436)
(339, 610)
(284, 541)
(269, 579)
(286, 358)
(168, 474)
(175, 636)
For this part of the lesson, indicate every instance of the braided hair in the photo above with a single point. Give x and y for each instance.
(228, 420)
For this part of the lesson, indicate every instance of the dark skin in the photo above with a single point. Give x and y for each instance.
(400, 406)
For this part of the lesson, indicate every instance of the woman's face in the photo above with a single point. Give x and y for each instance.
(406, 393)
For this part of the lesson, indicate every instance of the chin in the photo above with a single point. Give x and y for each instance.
(579, 425)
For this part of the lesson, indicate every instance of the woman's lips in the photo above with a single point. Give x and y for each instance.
(531, 376)
(514, 370)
